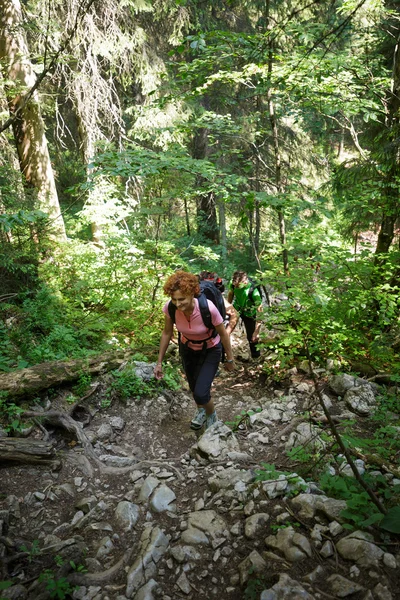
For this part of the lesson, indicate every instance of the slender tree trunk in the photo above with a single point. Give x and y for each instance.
(187, 217)
(386, 235)
(387, 228)
(274, 127)
(278, 174)
(87, 149)
(206, 206)
(222, 227)
(28, 128)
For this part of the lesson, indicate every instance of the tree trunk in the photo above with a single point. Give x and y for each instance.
(28, 451)
(29, 131)
(87, 149)
(278, 175)
(222, 227)
(206, 207)
(45, 375)
(386, 234)
(274, 127)
(391, 214)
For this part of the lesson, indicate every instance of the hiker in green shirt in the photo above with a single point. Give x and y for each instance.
(247, 300)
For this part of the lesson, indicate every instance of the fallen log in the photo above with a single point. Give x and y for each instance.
(28, 451)
(45, 375)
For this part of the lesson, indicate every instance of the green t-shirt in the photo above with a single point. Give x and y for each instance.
(244, 305)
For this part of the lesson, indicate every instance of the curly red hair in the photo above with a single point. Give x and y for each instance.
(185, 282)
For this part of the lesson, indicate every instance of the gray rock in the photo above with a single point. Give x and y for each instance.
(305, 434)
(117, 423)
(16, 592)
(389, 560)
(356, 548)
(86, 504)
(314, 575)
(286, 589)
(381, 592)
(216, 443)
(183, 584)
(144, 370)
(148, 488)
(104, 548)
(104, 432)
(309, 504)
(127, 514)
(255, 525)
(361, 400)
(227, 479)
(327, 549)
(153, 545)
(293, 545)
(184, 553)
(146, 592)
(345, 468)
(343, 587)
(254, 563)
(118, 461)
(163, 499)
(341, 383)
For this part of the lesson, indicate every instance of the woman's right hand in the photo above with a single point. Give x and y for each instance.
(158, 372)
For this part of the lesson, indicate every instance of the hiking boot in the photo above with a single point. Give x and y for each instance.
(199, 419)
(211, 420)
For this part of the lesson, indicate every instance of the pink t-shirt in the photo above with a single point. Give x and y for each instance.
(195, 329)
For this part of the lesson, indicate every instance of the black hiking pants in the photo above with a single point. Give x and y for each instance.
(250, 326)
(200, 367)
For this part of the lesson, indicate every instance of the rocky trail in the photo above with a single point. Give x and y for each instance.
(180, 514)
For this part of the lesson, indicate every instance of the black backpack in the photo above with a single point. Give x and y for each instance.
(254, 286)
(208, 291)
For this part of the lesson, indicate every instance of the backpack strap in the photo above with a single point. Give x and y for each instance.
(205, 311)
(172, 310)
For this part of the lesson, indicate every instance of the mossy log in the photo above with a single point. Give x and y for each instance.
(31, 380)
(29, 451)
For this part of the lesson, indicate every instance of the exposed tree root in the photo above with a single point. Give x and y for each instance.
(103, 577)
(60, 419)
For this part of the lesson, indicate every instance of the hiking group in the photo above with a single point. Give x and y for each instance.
(204, 320)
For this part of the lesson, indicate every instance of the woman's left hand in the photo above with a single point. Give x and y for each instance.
(229, 366)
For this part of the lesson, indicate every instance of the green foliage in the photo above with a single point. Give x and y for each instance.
(83, 383)
(10, 414)
(333, 312)
(360, 511)
(4, 585)
(242, 420)
(33, 551)
(302, 455)
(58, 588)
(126, 384)
(391, 521)
(254, 586)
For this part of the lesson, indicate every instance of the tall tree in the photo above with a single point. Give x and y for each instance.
(28, 126)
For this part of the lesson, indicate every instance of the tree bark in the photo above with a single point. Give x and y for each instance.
(277, 153)
(28, 127)
(45, 375)
(391, 214)
(206, 206)
(28, 451)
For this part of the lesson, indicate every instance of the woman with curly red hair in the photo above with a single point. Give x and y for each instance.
(201, 348)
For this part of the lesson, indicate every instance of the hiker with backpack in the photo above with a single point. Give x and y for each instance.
(246, 299)
(202, 339)
(231, 313)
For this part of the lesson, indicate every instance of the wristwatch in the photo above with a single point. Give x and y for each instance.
(230, 361)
